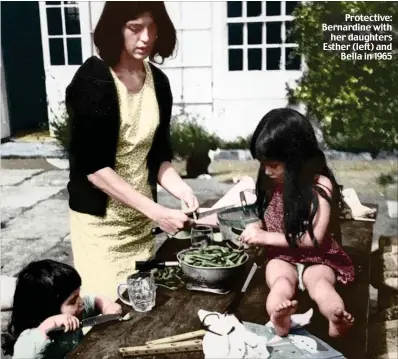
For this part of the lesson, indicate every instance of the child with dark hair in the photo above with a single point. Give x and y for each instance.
(47, 295)
(299, 202)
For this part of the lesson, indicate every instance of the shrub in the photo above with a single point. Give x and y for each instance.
(60, 127)
(188, 136)
(240, 143)
(356, 102)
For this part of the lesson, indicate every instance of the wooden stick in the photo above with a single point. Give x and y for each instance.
(187, 346)
(177, 338)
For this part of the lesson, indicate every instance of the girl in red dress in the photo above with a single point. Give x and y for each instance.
(298, 201)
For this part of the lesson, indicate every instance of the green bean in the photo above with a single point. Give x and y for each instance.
(240, 259)
(229, 263)
(214, 256)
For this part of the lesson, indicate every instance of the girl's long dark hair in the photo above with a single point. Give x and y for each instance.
(286, 136)
(42, 287)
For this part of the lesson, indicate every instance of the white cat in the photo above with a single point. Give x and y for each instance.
(213, 153)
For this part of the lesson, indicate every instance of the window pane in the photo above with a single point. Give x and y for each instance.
(293, 61)
(57, 56)
(54, 21)
(70, 2)
(253, 8)
(255, 59)
(235, 34)
(235, 59)
(53, 2)
(255, 33)
(234, 8)
(274, 32)
(72, 20)
(273, 58)
(74, 51)
(273, 8)
(290, 6)
(288, 27)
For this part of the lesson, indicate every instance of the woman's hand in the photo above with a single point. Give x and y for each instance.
(254, 234)
(171, 220)
(70, 323)
(190, 200)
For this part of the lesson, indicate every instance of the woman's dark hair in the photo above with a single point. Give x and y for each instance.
(42, 287)
(286, 136)
(108, 37)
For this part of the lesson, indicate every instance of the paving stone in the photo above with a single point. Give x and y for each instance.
(9, 213)
(31, 150)
(11, 177)
(49, 218)
(24, 196)
(17, 253)
(61, 252)
(53, 178)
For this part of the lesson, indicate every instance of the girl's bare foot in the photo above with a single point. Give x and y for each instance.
(339, 322)
(281, 316)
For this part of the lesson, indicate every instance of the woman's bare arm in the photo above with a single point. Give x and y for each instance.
(108, 181)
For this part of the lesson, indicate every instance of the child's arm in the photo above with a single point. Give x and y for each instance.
(320, 225)
(32, 343)
(106, 306)
(259, 224)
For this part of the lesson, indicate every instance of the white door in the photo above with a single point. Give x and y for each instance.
(66, 40)
(251, 63)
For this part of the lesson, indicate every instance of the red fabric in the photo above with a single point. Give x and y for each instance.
(328, 253)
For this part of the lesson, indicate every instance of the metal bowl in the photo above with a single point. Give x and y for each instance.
(212, 277)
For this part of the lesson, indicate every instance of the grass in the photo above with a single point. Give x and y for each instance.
(360, 175)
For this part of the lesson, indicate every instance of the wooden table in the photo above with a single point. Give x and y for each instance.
(176, 311)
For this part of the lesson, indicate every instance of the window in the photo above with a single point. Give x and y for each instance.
(259, 36)
(64, 33)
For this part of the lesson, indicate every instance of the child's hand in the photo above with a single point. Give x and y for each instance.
(253, 234)
(112, 308)
(70, 323)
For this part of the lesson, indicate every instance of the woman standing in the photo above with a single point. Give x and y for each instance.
(119, 108)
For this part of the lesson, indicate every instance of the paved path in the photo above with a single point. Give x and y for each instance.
(34, 212)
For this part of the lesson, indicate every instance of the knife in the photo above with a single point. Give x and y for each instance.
(157, 230)
(233, 306)
(90, 322)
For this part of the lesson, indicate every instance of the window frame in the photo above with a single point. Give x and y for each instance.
(64, 36)
(264, 19)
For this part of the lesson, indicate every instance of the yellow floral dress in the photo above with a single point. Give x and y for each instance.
(105, 248)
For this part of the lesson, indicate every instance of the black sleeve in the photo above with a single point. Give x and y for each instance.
(161, 150)
(166, 152)
(93, 114)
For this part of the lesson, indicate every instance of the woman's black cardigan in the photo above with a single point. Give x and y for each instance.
(94, 120)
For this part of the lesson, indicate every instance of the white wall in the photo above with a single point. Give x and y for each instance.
(241, 99)
(231, 103)
(190, 72)
(5, 121)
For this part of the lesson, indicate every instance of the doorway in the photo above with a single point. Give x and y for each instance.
(23, 66)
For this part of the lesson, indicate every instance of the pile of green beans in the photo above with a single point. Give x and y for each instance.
(214, 256)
